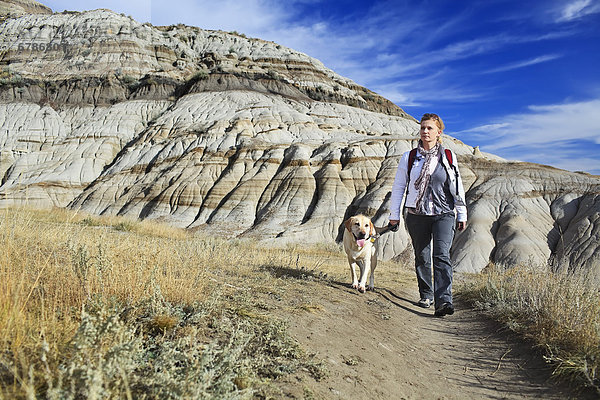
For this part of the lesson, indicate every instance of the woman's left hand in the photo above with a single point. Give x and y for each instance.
(461, 225)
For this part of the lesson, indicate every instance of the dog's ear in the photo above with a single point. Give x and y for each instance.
(348, 224)
(373, 231)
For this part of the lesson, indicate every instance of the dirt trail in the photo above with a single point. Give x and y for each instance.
(380, 345)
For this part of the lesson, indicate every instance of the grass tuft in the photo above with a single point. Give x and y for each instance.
(560, 312)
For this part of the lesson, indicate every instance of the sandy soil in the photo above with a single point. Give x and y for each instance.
(380, 345)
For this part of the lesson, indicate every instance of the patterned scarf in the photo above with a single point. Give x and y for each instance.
(425, 176)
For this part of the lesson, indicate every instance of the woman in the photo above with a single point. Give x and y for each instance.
(434, 190)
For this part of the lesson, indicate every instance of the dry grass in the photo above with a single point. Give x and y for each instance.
(113, 308)
(560, 312)
(105, 307)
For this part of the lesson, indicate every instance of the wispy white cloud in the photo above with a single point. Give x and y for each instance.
(575, 161)
(399, 95)
(250, 16)
(549, 124)
(529, 136)
(487, 129)
(426, 92)
(524, 63)
(577, 9)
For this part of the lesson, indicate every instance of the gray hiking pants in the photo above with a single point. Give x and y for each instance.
(439, 230)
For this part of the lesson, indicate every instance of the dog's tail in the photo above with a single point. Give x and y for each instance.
(384, 229)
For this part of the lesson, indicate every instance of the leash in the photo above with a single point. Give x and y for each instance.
(379, 232)
(385, 229)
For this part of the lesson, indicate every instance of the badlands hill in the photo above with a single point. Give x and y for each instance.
(16, 8)
(238, 136)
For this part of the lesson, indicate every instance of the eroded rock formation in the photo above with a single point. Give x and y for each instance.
(16, 8)
(243, 137)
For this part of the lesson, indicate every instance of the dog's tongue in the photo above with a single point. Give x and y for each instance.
(360, 242)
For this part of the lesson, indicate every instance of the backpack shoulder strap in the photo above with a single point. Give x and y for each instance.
(413, 154)
(411, 159)
(449, 157)
(451, 162)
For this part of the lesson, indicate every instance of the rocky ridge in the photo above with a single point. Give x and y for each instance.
(16, 8)
(221, 133)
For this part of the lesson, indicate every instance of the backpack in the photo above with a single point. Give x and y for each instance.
(413, 154)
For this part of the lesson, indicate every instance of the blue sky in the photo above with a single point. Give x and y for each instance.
(520, 79)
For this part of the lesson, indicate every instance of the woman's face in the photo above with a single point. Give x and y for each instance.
(429, 133)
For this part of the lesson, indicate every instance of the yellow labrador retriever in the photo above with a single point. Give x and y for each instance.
(359, 244)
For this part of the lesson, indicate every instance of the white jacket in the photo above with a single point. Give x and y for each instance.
(399, 188)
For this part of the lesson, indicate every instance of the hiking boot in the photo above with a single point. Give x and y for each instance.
(425, 303)
(444, 309)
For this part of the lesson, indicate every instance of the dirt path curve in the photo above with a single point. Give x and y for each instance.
(380, 345)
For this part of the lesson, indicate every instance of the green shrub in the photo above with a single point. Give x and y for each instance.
(117, 353)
